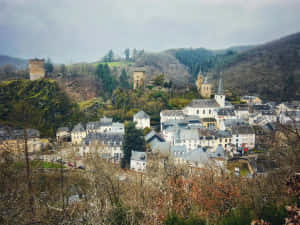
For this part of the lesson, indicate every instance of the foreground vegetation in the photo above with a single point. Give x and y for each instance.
(46, 106)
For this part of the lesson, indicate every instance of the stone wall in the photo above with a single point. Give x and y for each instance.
(36, 69)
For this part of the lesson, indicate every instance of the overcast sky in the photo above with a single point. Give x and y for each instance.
(84, 30)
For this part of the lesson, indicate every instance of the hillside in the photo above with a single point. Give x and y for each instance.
(270, 70)
(48, 106)
(17, 62)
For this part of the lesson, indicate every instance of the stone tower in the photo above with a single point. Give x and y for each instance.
(139, 78)
(199, 82)
(220, 97)
(36, 69)
(205, 90)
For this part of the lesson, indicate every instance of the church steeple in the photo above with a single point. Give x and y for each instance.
(220, 88)
(220, 97)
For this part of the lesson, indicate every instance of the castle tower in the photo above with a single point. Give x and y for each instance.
(205, 89)
(36, 69)
(139, 78)
(220, 97)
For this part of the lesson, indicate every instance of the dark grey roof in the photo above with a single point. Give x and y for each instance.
(152, 134)
(242, 130)
(226, 112)
(8, 134)
(243, 107)
(63, 129)
(223, 134)
(292, 104)
(139, 156)
(93, 125)
(172, 113)
(105, 121)
(203, 103)
(78, 128)
(110, 139)
(261, 107)
(141, 115)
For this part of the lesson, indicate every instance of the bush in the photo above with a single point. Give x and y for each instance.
(274, 215)
(238, 217)
(173, 219)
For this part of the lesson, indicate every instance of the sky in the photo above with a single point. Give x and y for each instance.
(71, 31)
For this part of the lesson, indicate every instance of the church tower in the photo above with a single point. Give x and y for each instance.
(205, 89)
(220, 97)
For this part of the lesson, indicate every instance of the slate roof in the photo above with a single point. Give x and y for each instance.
(226, 112)
(78, 128)
(197, 155)
(172, 113)
(151, 135)
(141, 115)
(106, 121)
(241, 107)
(63, 129)
(242, 130)
(138, 156)
(292, 104)
(109, 139)
(223, 134)
(203, 103)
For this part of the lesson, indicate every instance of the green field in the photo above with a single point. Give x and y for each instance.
(38, 165)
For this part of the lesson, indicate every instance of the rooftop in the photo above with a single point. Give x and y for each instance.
(203, 103)
(172, 113)
(141, 115)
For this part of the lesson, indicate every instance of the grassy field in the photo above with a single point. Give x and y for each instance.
(38, 165)
(115, 64)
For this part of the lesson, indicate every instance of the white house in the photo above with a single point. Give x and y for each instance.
(63, 134)
(106, 145)
(243, 136)
(141, 119)
(78, 133)
(138, 161)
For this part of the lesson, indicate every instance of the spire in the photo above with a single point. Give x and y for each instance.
(220, 89)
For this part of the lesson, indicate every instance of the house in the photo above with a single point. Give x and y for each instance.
(141, 119)
(105, 125)
(224, 139)
(63, 134)
(171, 115)
(12, 140)
(289, 117)
(106, 145)
(138, 161)
(243, 136)
(250, 100)
(78, 133)
(288, 106)
(242, 111)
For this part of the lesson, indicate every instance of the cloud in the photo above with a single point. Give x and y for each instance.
(80, 30)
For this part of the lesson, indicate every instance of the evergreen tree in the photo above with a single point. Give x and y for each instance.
(124, 80)
(49, 66)
(127, 54)
(133, 141)
(109, 82)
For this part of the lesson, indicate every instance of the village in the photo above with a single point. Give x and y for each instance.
(206, 132)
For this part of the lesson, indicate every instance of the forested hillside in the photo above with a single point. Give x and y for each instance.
(41, 104)
(271, 71)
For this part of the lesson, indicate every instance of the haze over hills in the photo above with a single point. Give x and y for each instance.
(17, 62)
(270, 70)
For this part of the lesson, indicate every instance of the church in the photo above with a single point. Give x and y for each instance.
(207, 108)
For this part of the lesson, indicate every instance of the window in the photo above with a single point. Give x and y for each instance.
(197, 111)
(203, 111)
